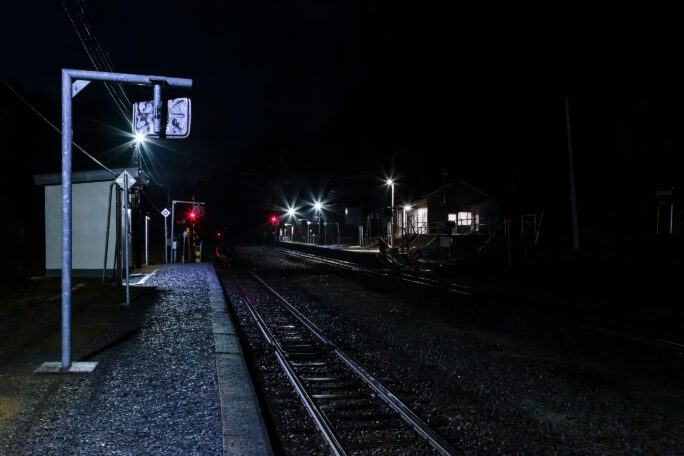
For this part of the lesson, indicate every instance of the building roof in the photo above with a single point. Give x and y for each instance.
(96, 175)
(454, 194)
(453, 184)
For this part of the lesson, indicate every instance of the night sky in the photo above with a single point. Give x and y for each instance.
(307, 98)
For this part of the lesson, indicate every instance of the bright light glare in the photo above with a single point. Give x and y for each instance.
(139, 138)
(317, 206)
(390, 181)
(290, 212)
(407, 207)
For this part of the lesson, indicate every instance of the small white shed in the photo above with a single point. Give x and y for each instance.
(95, 204)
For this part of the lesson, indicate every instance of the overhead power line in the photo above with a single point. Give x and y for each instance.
(54, 127)
(150, 201)
(104, 56)
(119, 104)
(148, 167)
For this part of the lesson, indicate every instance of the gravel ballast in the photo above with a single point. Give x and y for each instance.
(488, 392)
(154, 393)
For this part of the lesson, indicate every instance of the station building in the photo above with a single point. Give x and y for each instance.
(471, 210)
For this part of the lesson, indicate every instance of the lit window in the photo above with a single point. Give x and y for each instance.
(464, 219)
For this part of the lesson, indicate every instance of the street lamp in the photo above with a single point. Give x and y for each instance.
(390, 183)
(318, 206)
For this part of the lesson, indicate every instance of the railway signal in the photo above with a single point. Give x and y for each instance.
(196, 206)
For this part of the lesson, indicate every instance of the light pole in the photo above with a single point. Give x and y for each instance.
(317, 207)
(390, 182)
(290, 218)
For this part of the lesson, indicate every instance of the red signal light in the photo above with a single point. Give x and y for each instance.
(274, 218)
(192, 215)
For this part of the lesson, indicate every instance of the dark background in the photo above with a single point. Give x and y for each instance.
(323, 99)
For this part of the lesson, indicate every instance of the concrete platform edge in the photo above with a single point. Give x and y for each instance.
(244, 430)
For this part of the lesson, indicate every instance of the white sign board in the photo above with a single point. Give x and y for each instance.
(177, 118)
(120, 180)
(165, 212)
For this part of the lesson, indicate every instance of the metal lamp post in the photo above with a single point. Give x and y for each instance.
(291, 218)
(390, 182)
(317, 207)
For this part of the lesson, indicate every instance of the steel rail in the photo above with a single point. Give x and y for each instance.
(319, 417)
(423, 281)
(403, 276)
(436, 440)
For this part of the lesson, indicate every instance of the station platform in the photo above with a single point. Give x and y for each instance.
(173, 382)
(355, 254)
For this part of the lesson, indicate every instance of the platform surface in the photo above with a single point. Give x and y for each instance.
(177, 385)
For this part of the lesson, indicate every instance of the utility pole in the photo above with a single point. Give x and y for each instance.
(573, 196)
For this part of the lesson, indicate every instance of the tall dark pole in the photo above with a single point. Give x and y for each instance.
(573, 196)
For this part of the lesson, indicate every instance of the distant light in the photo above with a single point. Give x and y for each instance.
(192, 215)
(274, 218)
(346, 211)
(218, 234)
(317, 206)
(139, 138)
(407, 207)
(290, 212)
(390, 181)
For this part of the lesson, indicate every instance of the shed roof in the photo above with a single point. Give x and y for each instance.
(96, 175)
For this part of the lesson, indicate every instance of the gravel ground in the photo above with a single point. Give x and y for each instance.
(487, 392)
(155, 393)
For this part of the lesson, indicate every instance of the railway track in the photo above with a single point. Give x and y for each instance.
(454, 287)
(354, 412)
(471, 292)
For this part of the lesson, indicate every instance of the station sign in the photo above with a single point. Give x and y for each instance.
(176, 120)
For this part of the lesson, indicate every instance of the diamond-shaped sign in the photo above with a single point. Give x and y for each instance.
(165, 212)
(120, 180)
(177, 118)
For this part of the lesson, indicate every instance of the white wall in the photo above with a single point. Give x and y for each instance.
(89, 226)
